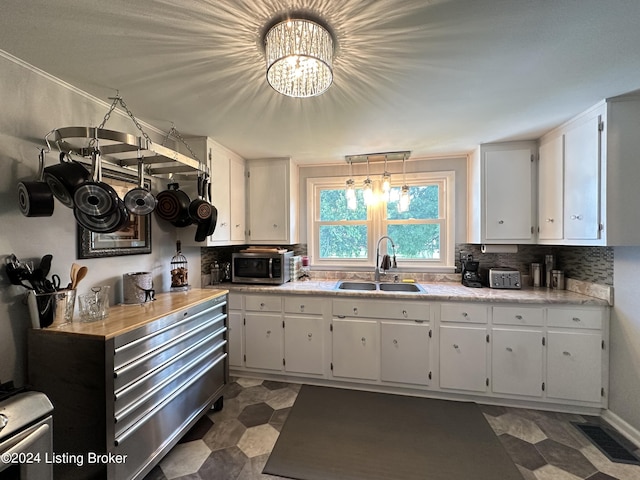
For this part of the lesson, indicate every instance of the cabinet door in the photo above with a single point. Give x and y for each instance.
(516, 362)
(404, 353)
(582, 181)
(463, 358)
(268, 201)
(236, 354)
(263, 341)
(508, 194)
(303, 344)
(356, 349)
(550, 189)
(237, 200)
(574, 366)
(220, 194)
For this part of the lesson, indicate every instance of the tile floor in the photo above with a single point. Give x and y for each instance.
(234, 443)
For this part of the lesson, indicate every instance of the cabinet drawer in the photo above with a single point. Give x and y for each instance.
(526, 316)
(463, 312)
(263, 303)
(372, 309)
(304, 304)
(574, 318)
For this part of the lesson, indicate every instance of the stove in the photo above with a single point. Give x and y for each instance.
(26, 434)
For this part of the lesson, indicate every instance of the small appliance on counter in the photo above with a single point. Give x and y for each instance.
(501, 277)
(261, 265)
(470, 274)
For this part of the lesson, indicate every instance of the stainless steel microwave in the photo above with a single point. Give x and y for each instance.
(272, 268)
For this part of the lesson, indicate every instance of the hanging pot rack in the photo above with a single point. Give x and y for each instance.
(125, 149)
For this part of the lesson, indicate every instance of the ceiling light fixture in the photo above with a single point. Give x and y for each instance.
(405, 199)
(299, 58)
(352, 201)
(386, 182)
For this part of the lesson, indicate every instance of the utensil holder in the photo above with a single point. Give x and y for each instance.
(51, 309)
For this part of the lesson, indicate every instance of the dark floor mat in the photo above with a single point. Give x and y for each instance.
(607, 443)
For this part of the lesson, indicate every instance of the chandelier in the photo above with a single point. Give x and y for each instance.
(299, 58)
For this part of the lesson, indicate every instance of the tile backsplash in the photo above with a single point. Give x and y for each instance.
(586, 264)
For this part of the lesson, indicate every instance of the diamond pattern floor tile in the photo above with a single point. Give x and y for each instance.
(234, 444)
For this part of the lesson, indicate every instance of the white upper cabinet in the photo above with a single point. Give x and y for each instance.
(550, 189)
(273, 201)
(227, 193)
(601, 173)
(501, 193)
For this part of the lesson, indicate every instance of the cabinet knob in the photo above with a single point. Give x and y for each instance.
(500, 222)
(576, 319)
(566, 354)
(268, 332)
(465, 314)
(364, 340)
(509, 349)
(237, 225)
(309, 336)
(302, 308)
(261, 305)
(576, 217)
(223, 224)
(275, 225)
(549, 220)
(395, 342)
(518, 317)
(355, 310)
(455, 345)
(405, 314)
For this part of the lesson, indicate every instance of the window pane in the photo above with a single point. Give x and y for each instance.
(416, 241)
(424, 203)
(333, 206)
(343, 241)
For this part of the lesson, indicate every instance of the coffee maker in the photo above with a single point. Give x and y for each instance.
(470, 273)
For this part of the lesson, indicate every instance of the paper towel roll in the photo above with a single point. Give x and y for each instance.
(499, 248)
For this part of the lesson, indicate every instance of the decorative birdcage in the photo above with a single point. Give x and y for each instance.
(179, 270)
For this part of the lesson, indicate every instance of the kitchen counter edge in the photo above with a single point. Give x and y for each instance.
(437, 292)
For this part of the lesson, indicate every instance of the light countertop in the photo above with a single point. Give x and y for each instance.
(437, 291)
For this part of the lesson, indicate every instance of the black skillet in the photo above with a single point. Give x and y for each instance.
(35, 198)
(64, 177)
(96, 198)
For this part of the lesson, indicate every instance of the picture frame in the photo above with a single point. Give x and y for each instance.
(134, 239)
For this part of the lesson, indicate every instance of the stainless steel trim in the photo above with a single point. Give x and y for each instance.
(271, 268)
(149, 414)
(166, 346)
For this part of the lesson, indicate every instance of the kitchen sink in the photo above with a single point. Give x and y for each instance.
(356, 285)
(380, 286)
(400, 287)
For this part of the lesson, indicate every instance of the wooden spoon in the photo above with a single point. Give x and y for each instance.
(78, 272)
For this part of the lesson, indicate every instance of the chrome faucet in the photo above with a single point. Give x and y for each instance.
(394, 264)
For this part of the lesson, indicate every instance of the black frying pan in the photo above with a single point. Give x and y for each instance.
(96, 198)
(35, 198)
(173, 205)
(139, 200)
(199, 209)
(64, 177)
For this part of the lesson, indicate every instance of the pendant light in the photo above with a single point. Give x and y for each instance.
(403, 203)
(350, 192)
(367, 188)
(386, 182)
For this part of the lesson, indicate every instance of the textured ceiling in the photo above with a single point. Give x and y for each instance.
(434, 77)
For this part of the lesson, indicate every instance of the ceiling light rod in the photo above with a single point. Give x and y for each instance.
(378, 157)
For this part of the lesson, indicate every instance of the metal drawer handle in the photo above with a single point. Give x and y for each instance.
(500, 222)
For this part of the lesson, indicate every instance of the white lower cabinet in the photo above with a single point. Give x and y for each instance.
(554, 354)
(516, 361)
(355, 349)
(463, 358)
(304, 335)
(404, 352)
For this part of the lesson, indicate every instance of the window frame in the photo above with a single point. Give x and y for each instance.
(377, 223)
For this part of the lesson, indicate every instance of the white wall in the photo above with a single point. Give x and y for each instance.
(32, 104)
(624, 354)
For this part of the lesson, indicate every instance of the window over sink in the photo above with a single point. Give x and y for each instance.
(339, 237)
